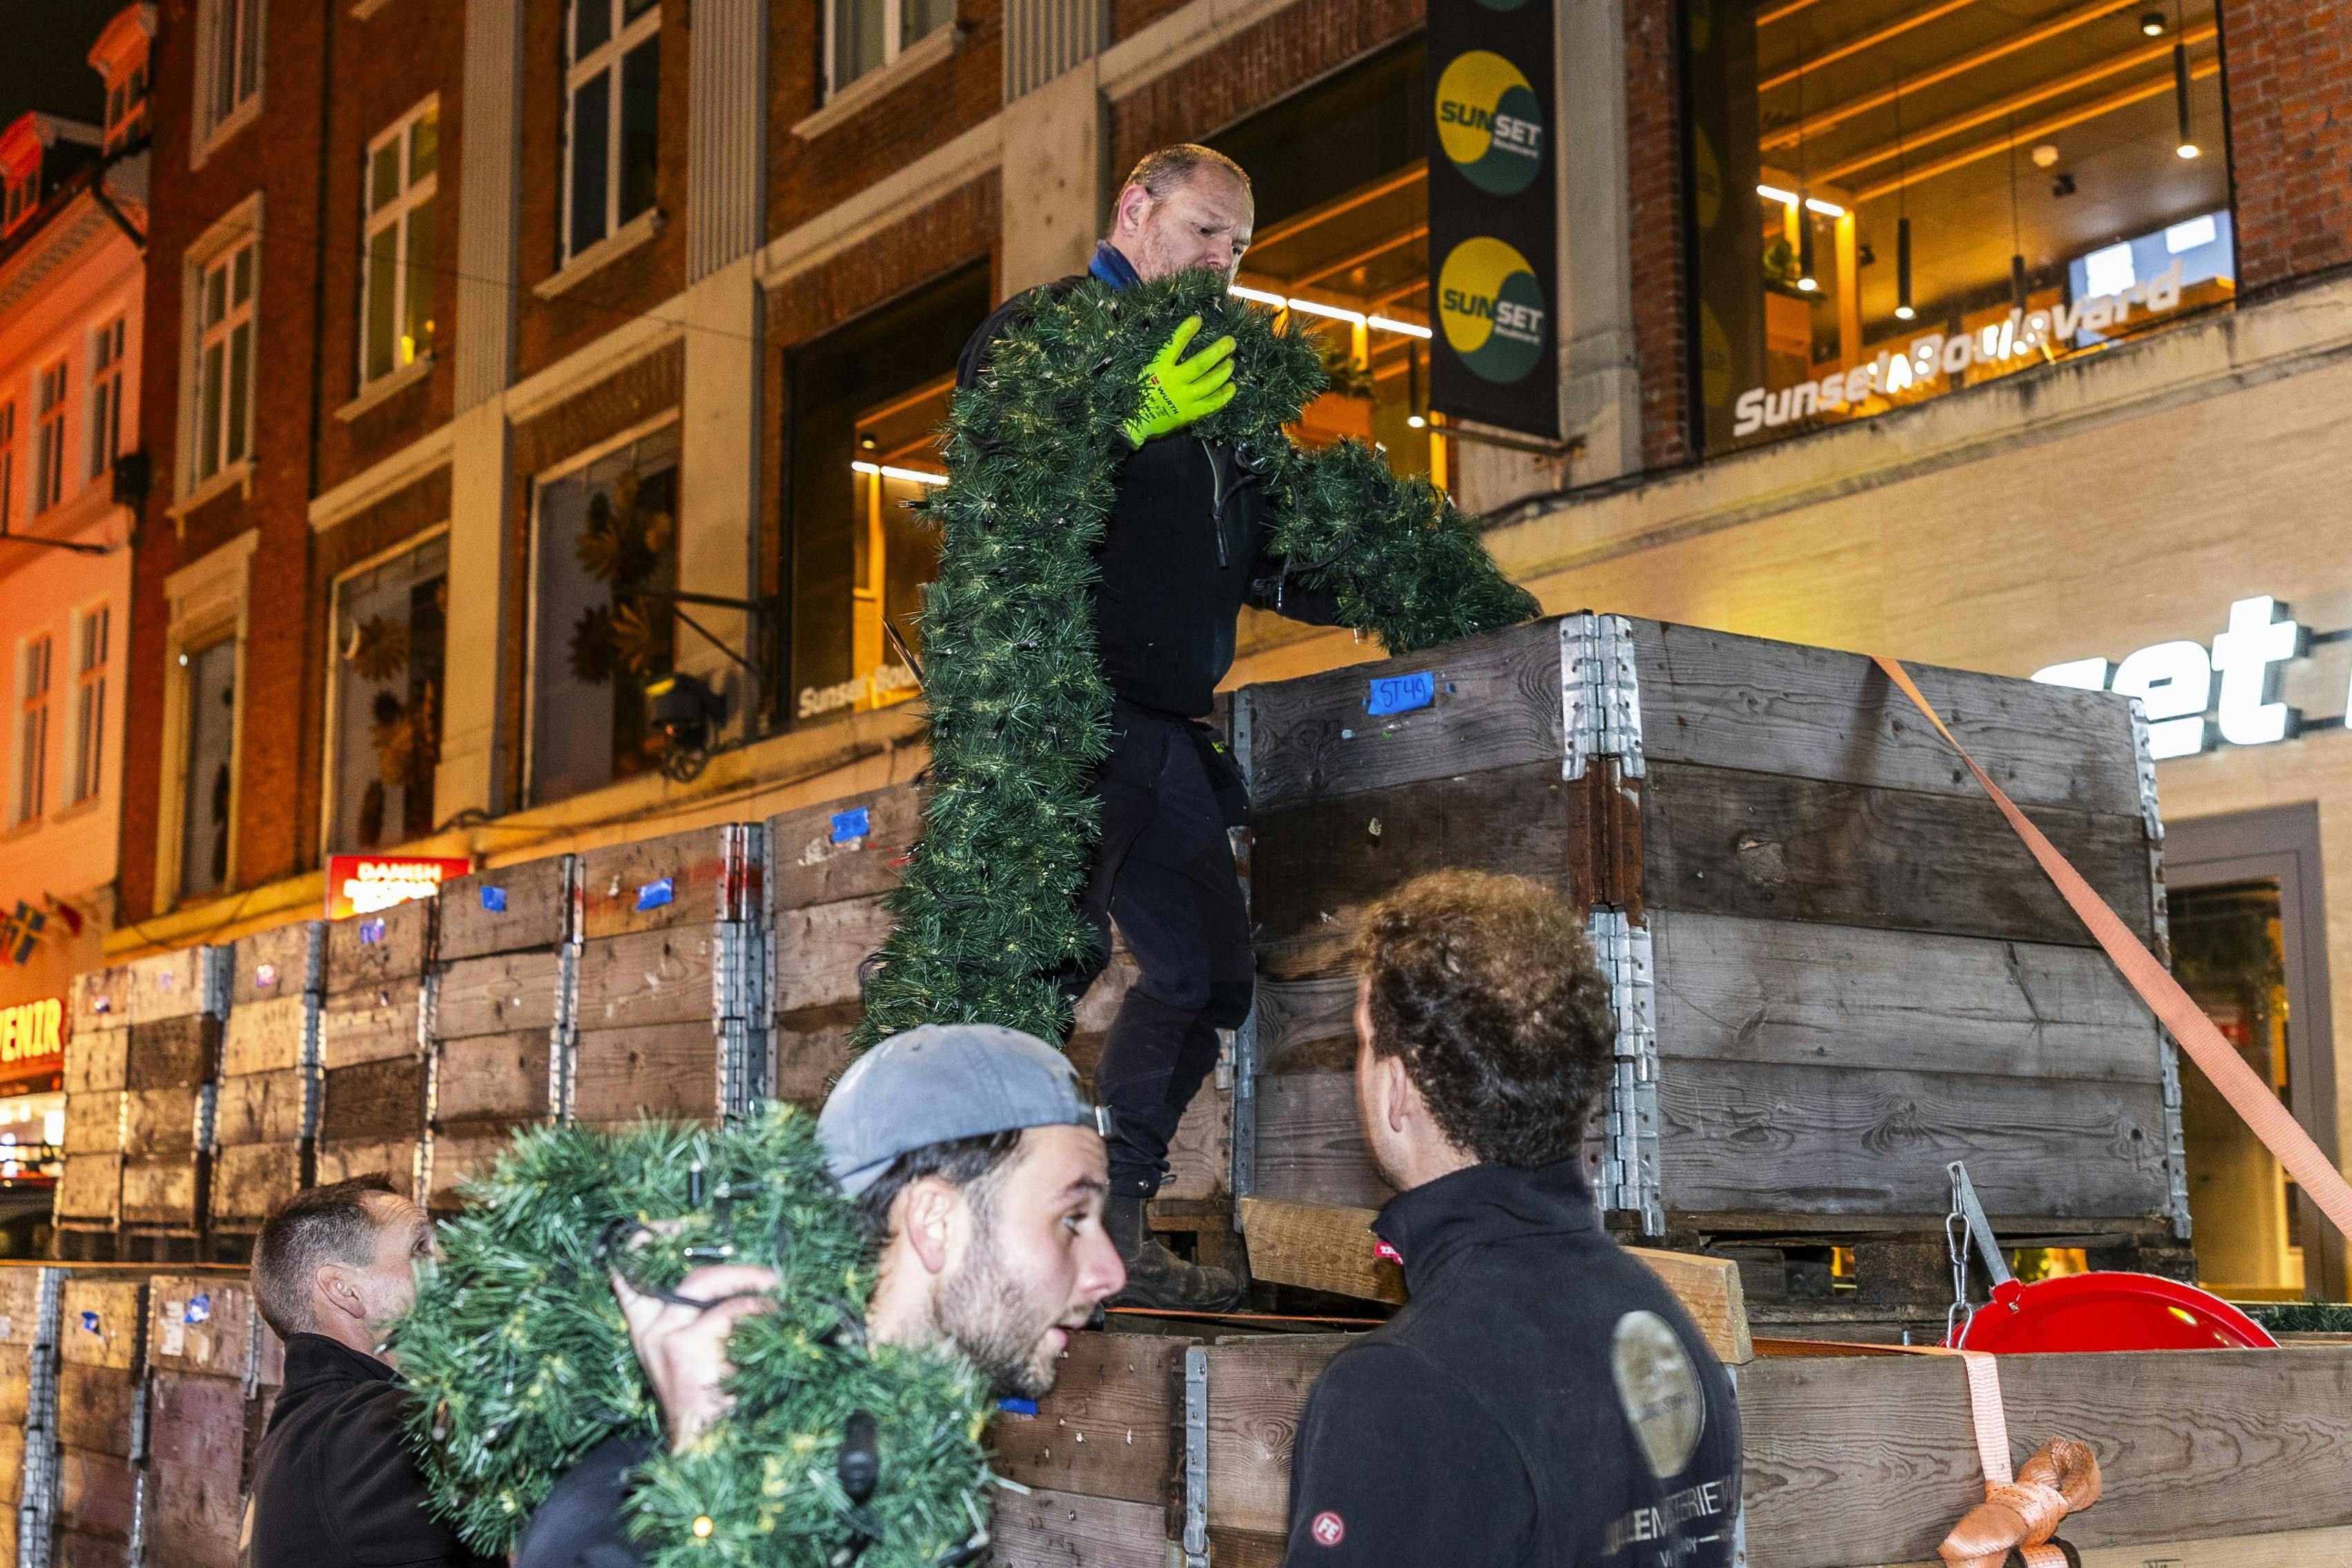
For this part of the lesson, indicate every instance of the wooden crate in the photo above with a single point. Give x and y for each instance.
(1837, 969)
(167, 1121)
(100, 1362)
(267, 1111)
(97, 1062)
(1102, 1456)
(201, 1338)
(20, 1325)
(374, 1023)
(505, 978)
(669, 1012)
(281, 962)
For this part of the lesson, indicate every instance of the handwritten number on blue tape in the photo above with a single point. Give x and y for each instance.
(493, 898)
(200, 1308)
(1018, 1406)
(1401, 694)
(654, 894)
(850, 824)
(370, 932)
(89, 1322)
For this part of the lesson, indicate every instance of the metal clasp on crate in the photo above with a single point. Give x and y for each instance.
(1628, 1179)
(1600, 693)
(1196, 1457)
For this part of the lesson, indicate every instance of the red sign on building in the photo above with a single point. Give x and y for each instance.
(362, 885)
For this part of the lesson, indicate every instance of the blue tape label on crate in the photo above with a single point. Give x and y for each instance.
(654, 894)
(1401, 694)
(265, 977)
(200, 1308)
(494, 899)
(89, 1322)
(1018, 1406)
(370, 932)
(850, 824)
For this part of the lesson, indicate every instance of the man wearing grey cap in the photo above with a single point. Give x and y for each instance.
(979, 1168)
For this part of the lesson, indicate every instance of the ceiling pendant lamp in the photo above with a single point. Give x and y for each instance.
(1902, 310)
(2186, 147)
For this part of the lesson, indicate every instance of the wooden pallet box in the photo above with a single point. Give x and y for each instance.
(1836, 970)
(1102, 1457)
(503, 1001)
(281, 962)
(373, 1029)
(201, 1346)
(20, 1315)
(167, 1121)
(97, 1063)
(100, 1359)
(668, 1015)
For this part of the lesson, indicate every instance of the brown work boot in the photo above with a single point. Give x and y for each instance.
(1157, 1277)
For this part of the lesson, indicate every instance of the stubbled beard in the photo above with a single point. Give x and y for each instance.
(1000, 1328)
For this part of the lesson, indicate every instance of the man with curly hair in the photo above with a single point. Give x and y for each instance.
(1543, 1398)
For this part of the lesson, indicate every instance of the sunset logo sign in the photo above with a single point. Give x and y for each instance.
(1489, 122)
(1492, 308)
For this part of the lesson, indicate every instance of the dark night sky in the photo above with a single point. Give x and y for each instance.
(43, 57)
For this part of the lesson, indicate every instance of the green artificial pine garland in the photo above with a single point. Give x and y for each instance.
(1020, 712)
(521, 1361)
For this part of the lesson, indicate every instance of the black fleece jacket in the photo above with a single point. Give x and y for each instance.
(1185, 549)
(333, 1482)
(1543, 1399)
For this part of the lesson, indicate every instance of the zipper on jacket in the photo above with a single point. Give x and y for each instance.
(1217, 501)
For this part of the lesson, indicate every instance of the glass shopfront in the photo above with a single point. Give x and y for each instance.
(1888, 205)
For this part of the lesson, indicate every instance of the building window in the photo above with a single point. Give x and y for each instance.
(604, 557)
(32, 730)
(389, 629)
(126, 108)
(864, 35)
(7, 461)
(209, 673)
(1883, 217)
(105, 397)
(230, 47)
(24, 194)
(90, 637)
(225, 291)
(612, 109)
(49, 438)
(397, 301)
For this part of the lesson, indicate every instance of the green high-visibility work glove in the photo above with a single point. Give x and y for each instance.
(1177, 391)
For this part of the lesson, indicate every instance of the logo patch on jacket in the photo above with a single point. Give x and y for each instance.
(1329, 1529)
(1659, 1389)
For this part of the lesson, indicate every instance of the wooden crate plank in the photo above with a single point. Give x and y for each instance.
(94, 1124)
(623, 890)
(655, 976)
(369, 1025)
(1201, 1154)
(163, 1189)
(1306, 1026)
(373, 1102)
(492, 1075)
(172, 1053)
(91, 1188)
(1497, 705)
(251, 1179)
(97, 1060)
(810, 1050)
(1722, 842)
(506, 909)
(1064, 1530)
(260, 1108)
(821, 858)
(461, 1154)
(197, 1515)
(101, 1319)
(818, 951)
(1830, 1142)
(345, 1158)
(15, 1381)
(197, 1422)
(94, 1408)
(12, 1462)
(95, 1493)
(1106, 1428)
(1721, 701)
(1852, 1460)
(1310, 1144)
(199, 1324)
(1780, 991)
(160, 1121)
(668, 1070)
(273, 965)
(102, 998)
(497, 995)
(20, 1306)
(1257, 1390)
(266, 1036)
(166, 985)
(366, 952)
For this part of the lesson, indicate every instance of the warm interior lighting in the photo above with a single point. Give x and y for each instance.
(1415, 421)
(2187, 150)
(2151, 23)
(1315, 308)
(1774, 193)
(1827, 209)
(1904, 312)
(1255, 296)
(1807, 285)
(1388, 325)
(1335, 312)
(912, 476)
(2188, 147)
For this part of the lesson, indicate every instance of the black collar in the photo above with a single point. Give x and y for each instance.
(1440, 1221)
(315, 1358)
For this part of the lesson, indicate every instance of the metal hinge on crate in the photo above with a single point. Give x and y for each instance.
(2176, 1145)
(37, 1510)
(1196, 1457)
(1629, 1165)
(1599, 694)
(737, 959)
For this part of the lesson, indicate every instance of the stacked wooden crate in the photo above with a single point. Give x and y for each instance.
(101, 1418)
(671, 1016)
(20, 1339)
(89, 1201)
(371, 1036)
(1101, 1458)
(202, 1343)
(177, 1002)
(269, 1101)
(1835, 968)
(506, 952)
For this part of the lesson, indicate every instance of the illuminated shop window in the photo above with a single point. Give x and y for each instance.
(390, 628)
(1889, 204)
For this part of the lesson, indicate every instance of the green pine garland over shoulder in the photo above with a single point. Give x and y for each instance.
(1020, 712)
(520, 1362)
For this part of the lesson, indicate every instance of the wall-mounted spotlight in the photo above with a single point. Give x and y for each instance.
(2151, 23)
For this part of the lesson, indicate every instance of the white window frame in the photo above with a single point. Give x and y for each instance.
(895, 44)
(93, 652)
(331, 771)
(52, 395)
(243, 52)
(29, 768)
(208, 599)
(238, 227)
(604, 60)
(105, 373)
(394, 214)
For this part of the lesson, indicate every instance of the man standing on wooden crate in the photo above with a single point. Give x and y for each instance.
(1183, 550)
(332, 1481)
(1543, 1398)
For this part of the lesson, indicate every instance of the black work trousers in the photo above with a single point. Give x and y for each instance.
(1164, 872)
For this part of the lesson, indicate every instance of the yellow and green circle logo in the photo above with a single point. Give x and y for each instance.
(1489, 122)
(1492, 308)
